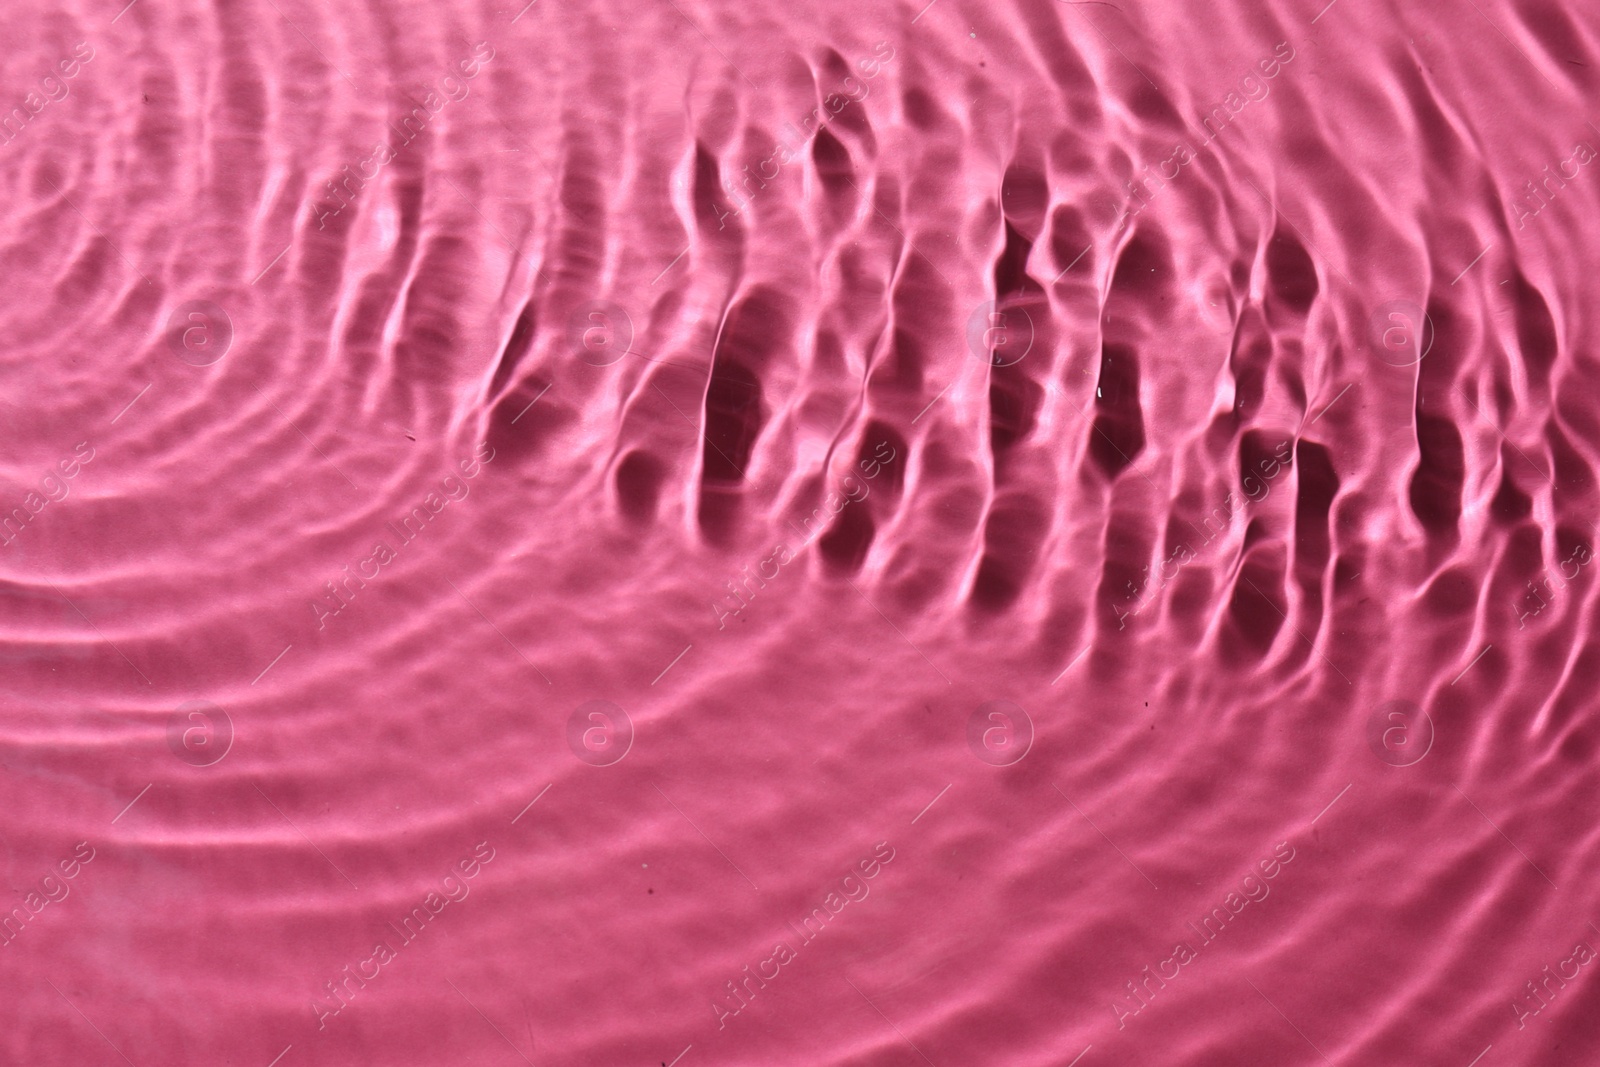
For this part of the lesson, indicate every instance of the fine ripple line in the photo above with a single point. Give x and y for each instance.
(1068, 667)
(1506, 439)
(702, 833)
(261, 394)
(909, 243)
(497, 630)
(1074, 263)
(931, 803)
(1469, 666)
(1508, 840)
(897, 630)
(1108, 840)
(130, 403)
(313, 445)
(97, 229)
(90, 1021)
(674, 663)
(97, 630)
(314, 47)
(1296, 629)
(663, 274)
(679, 1056)
(691, 422)
(274, 663)
(280, 1056)
(1285, 1018)
(1513, 44)
(510, 247)
(1083, 413)
(694, 26)
(890, 1021)
(532, 402)
(932, 402)
(531, 803)
(1331, 803)
(490, 1021)
(1304, 239)
(1120, 52)
(1332, 402)
(1474, 263)
(131, 803)
(257, 278)
(308, 840)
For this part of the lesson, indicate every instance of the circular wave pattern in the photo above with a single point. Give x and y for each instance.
(695, 534)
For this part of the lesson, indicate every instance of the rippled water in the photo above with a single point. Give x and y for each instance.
(668, 533)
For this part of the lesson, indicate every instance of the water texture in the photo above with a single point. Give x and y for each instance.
(670, 532)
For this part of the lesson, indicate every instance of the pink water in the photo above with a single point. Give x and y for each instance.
(1014, 533)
